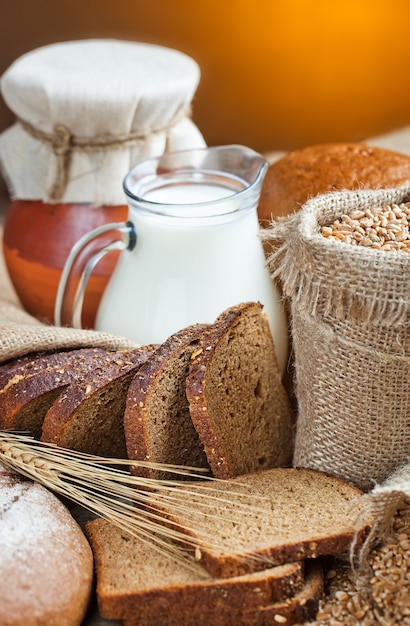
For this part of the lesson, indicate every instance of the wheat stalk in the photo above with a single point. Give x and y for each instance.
(106, 488)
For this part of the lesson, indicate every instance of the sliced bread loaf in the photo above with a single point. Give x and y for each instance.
(88, 415)
(157, 422)
(291, 514)
(30, 385)
(298, 609)
(238, 405)
(136, 581)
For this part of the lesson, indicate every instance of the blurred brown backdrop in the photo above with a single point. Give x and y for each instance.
(276, 74)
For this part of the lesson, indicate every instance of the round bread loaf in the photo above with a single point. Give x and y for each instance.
(46, 563)
(305, 173)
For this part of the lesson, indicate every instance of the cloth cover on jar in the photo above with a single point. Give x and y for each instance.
(87, 111)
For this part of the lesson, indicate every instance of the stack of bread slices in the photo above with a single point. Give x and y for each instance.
(258, 560)
(209, 397)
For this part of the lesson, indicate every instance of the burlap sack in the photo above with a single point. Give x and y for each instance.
(350, 324)
(21, 334)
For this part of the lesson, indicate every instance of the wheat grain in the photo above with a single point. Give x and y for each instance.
(381, 228)
(379, 595)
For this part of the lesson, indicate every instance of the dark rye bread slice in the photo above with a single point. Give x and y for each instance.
(88, 415)
(300, 608)
(291, 514)
(157, 422)
(238, 405)
(137, 581)
(30, 385)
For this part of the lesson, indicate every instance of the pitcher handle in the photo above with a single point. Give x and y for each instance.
(74, 307)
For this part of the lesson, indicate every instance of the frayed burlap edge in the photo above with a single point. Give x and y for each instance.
(22, 334)
(297, 247)
(380, 506)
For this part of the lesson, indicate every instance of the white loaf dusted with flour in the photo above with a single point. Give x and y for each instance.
(46, 564)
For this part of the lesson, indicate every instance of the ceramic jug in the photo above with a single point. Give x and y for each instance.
(96, 106)
(190, 249)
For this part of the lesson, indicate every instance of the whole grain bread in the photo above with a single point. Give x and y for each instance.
(292, 514)
(28, 361)
(300, 608)
(157, 422)
(46, 564)
(238, 405)
(88, 415)
(30, 385)
(309, 171)
(137, 581)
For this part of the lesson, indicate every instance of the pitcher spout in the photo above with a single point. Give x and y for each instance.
(215, 181)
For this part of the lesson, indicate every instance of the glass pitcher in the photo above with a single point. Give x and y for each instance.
(191, 249)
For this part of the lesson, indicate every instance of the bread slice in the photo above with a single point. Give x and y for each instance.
(88, 415)
(298, 609)
(30, 385)
(291, 514)
(157, 422)
(136, 581)
(237, 402)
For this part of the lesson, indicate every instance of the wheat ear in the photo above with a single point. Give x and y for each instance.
(105, 487)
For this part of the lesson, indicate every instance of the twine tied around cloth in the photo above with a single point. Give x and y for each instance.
(63, 143)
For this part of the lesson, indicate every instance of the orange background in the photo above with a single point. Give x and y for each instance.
(276, 74)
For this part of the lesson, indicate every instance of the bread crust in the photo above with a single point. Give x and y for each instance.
(298, 609)
(323, 514)
(166, 586)
(31, 385)
(305, 173)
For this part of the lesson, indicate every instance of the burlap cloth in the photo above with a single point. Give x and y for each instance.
(350, 325)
